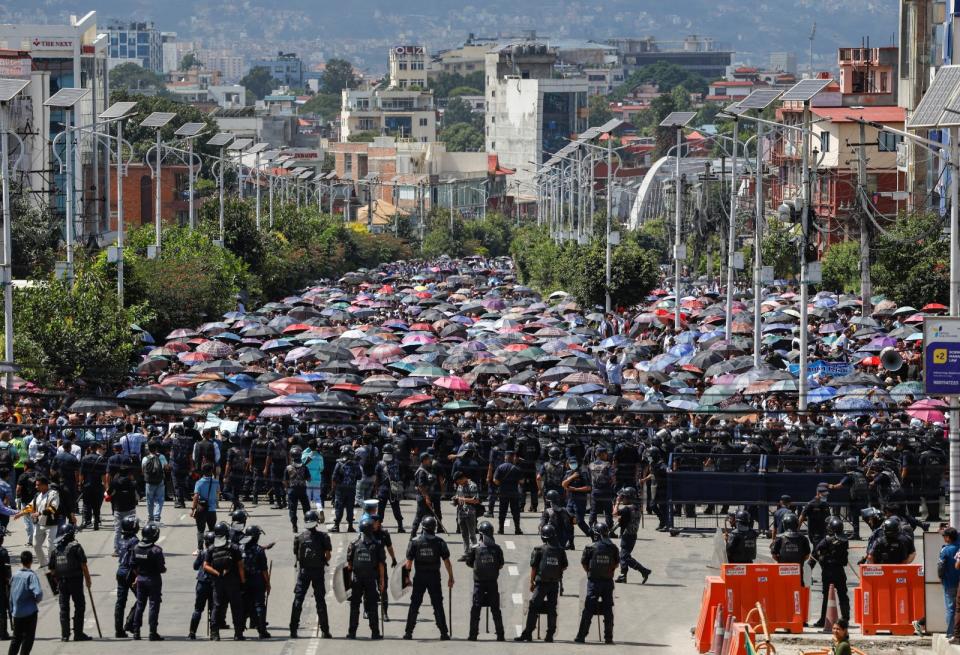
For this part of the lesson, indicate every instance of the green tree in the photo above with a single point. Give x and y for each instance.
(34, 236)
(337, 76)
(841, 267)
(599, 108)
(66, 333)
(462, 137)
(326, 105)
(911, 261)
(779, 249)
(664, 76)
(459, 111)
(189, 61)
(445, 83)
(258, 82)
(367, 136)
(464, 91)
(131, 77)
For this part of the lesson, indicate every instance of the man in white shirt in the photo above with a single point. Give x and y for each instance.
(45, 505)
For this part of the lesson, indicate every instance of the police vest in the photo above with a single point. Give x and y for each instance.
(427, 554)
(65, 561)
(790, 551)
(296, 476)
(633, 525)
(860, 489)
(362, 562)
(552, 476)
(125, 557)
(485, 565)
(145, 564)
(602, 562)
(550, 569)
(834, 553)
(221, 558)
(600, 477)
(309, 553)
(250, 556)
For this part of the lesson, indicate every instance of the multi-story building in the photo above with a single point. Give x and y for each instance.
(140, 43)
(286, 68)
(169, 51)
(602, 80)
(408, 67)
(785, 62)
(530, 113)
(57, 57)
(700, 55)
(232, 67)
(401, 113)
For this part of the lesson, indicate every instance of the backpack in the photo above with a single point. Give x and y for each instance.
(600, 476)
(552, 476)
(550, 569)
(296, 475)
(153, 470)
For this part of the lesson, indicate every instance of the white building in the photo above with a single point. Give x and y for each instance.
(393, 112)
(408, 67)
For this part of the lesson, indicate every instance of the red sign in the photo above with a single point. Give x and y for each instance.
(52, 43)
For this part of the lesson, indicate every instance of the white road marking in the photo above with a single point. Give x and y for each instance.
(517, 599)
(161, 539)
(183, 517)
(512, 570)
(510, 545)
(519, 629)
(313, 646)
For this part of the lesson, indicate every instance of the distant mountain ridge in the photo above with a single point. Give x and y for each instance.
(363, 28)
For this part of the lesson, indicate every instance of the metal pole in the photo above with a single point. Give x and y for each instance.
(607, 270)
(193, 222)
(731, 236)
(451, 207)
(157, 190)
(270, 201)
(865, 287)
(69, 199)
(240, 173)
(257, 182)
(757, 240)
(221, 196)
(804, 292)
(7, 249)
(954, 311)
(678, 193)
(120, 224)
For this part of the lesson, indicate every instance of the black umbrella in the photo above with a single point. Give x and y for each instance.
(253, 395)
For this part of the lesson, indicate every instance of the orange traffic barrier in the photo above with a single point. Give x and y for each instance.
(832, 611)
(890, 597)
(775, 586)
(737, 644)
(716, 646)
(713, 596)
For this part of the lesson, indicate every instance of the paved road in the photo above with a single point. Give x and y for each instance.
(655, 617)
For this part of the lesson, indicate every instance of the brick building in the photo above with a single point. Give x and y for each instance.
(139, 201)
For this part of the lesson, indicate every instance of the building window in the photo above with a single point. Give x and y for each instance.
(423, 122)
(347, 164)
(824, 142)
(887, 142)
(884, 82)
(402, 65)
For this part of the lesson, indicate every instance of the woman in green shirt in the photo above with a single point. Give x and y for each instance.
(841, 637)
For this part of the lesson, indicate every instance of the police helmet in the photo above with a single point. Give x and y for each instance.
(629, 493)
(295, 454)
(548, 534)
(851, 462)
(554, 453)
(130, 525)
(233, 438)
(553, 496)
(208, 538)
(429, 525)
(790, 522)
(871, 516)
(346, 451)
(252, 534)
(485, 528)
(891, 527)
(311, 519)
(239, 516)
(389, 449)
(601, 530)
(150, 533)
(67, 533)
(221, 530)
(189, 423)
(425, 456)
(835, 525)
(366, 525)
(744, 520)
(275, 428)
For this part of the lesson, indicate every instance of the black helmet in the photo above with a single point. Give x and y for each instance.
(295, 454)
(485, 528)
(189, 422)
(232, 438)
(429, 525)
(601, 530)
(129, 526)
(68, 434)
(548, 534)
(553, 496)
(221, 530)
(871, 516)
(311, 519)
(851, 462)
(67, 533)
(554, 453)
(150, 533)
(790, 522)
(630, 493)
(239, 516)
(744, 520)
(208, 538)
(891, 527)
(389, 448)
(366, 525)
(252, 534)
(275, 428)
(835, 525)
(346, 451)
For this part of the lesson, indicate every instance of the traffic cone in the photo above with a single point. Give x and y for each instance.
(832, 613)
(727, 634)
(716, 646)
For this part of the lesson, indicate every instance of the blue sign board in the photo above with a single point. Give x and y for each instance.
(941, 355)
(819, 367)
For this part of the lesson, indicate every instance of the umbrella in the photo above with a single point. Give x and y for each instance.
(92, 405)
(253, 395)
(416, 399)
(570, 403)
(460, 404)
(217, 349)
(452, 382)
(516, 389)
(904, 389)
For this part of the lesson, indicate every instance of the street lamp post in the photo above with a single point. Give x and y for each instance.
(188, 131)
(157, 120)
(220, 140)
(677, 120)
(119, 111)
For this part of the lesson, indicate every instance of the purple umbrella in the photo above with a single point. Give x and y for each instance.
(516, 389)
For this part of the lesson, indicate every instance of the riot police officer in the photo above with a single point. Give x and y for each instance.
(149, 564)
(256, 584)
(129, 527)
(235, 472)
(389, 485)
(547, 564)
(295, 478)
(366, 564)
(312, 550)
(742, 541)
(257, 464)
(381, 535)
(556, 515)
(858, 490)
(68, 563)
(203, 595)
(893, 546)
(344, 488)
(427, 551)
(602, 480)
(791, 547)
(426, 483)
(627, 512)
(599, 560)
(181, 455)
(832, 552)
(486, 560)
(224, 564)
(238, 525)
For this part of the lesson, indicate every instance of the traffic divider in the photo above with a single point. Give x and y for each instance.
(776, 587)
(890, 598)
(711, 606)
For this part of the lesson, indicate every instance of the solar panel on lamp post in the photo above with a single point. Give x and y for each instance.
(677, 120)
(157, 121)
(239, 146)
(220, 140)
(190, 131)
(66, 100)
(118, 112)
(9, 89)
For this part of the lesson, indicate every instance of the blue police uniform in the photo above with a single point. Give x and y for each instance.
(125, 577)
(345, 475)
(600, 559)
(426, 552)
(255, 586)
(149, 564)
(203, 598)
(390, 490)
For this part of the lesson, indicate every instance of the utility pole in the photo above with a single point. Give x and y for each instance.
(607, 264)
(732, 234)
(805, 234)
(866, 289)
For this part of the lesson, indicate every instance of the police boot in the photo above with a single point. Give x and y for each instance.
(497, 623)
(551, 627)
(585, 621)
(194, 624)
(474, 622)
(214, 634)
(119, 632)
(238, 635)
(154, 636)
(295, 530)
(262, 626)
(622, 577)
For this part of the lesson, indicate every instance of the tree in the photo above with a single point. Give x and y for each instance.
(64, 332)
(464, 91)
(366, 136)
(459, 111)
(841, 267)
(144, 138)
(337, 76)
(664, 76)
(444, 84)
(599, 108)
(131, 77)
(326, 105)
(258, 81)
(911, 261)
(34, 236)
(189, 61)
(779, 249)
(462, 137)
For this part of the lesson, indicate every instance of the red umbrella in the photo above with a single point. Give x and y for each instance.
(287, 386)
(415, 399)
(934, 307)
(927, 415)
(452, 382)
(344, 386)
(870, 361)
(297, 327)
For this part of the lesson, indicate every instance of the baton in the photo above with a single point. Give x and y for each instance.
(853, 570)
(487, 620)
(538, 625)
(266, 601)
(94, 608)
(450, 612)
(599, 634)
